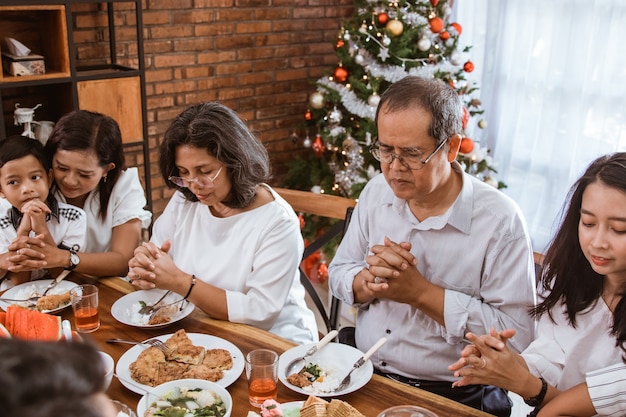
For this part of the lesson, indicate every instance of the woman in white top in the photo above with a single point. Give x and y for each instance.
(90, 172)
(226, 240)
(582, 319)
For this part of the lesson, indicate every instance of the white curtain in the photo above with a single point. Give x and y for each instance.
(552, 79)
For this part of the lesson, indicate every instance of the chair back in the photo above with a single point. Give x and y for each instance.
(323, 205)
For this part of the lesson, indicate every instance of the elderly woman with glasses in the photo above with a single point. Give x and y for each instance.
(226, 241)
(432, 252)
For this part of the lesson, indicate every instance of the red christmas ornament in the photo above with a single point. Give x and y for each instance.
(340, 74)
(436, 24)
(467, 145)
(445, 35)
(382, 18)
(318, 146)
(308, 115)
(340, 43)
(468, 66)
(322, 272)
(466, 116)
(457, 27)
(434, 2)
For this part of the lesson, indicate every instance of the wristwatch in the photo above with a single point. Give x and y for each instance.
(74, 260)
(538, 399)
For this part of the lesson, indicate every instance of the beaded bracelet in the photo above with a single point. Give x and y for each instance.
(193, 282)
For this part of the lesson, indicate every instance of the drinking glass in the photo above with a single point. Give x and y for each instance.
(84, 300)
(262, 374)
(407, 411)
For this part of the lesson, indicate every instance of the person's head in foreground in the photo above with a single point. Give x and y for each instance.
(52, 379)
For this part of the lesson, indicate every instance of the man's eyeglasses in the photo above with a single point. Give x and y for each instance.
(203, 180)
(410, 159)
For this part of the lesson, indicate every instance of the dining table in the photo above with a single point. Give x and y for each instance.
(372, 398)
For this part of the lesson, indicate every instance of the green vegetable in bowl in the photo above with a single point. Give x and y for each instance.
(185, 402)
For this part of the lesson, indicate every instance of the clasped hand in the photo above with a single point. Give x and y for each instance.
(391, 272)
(488, 360)
(152, 267)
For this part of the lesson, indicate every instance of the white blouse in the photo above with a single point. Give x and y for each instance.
(563, 354)
(254, 256)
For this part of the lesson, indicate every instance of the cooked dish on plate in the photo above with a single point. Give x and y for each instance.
(184, 360)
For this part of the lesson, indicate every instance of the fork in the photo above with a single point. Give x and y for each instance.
(30, 301)
(152, 342)
(156, 309)
(346, 381)
(147, 309)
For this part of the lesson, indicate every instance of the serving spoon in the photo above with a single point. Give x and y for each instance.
(298, 364)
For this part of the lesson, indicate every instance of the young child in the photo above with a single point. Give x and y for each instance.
(28, 207)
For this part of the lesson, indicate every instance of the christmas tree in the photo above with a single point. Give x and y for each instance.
(384, 42)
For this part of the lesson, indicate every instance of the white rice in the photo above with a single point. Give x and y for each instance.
(134, 317)
(329, 384)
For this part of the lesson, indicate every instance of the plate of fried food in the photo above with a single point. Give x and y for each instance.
(57, 299)
(190, 355)
(126, 309)
(324, 371)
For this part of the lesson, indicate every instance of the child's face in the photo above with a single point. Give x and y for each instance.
(602, 229)
(24, 179)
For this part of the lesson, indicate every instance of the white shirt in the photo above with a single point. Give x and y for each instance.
(478, 251)
(562, 354)
(607, 389)
(67, 225)
(254, 256)
(127, 202)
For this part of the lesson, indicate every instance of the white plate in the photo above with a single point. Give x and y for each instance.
(336, 359)
(121, 309)
(34, 288)
(198, 339)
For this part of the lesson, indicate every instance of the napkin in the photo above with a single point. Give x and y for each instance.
(16, 47)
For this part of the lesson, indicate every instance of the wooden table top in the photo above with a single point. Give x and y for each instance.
(377, 395)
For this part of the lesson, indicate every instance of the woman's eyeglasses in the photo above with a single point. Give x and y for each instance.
(204, 180)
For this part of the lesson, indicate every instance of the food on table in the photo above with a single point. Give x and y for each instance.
(162, 316)
(317, 407)
(187, 402)
(185, 360)
(53, 301)
(314, 380)
(312, 407)
(307, 375)
(27, 324)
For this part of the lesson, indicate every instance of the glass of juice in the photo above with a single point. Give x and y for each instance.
(262, 374)
(84, 300)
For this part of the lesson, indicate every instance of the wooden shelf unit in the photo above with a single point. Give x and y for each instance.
(75, 79)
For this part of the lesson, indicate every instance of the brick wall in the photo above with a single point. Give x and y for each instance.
(258, 57)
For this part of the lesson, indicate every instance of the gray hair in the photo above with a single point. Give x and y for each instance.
(432, 95)
(219, 130)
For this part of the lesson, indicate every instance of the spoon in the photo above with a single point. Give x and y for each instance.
(346, 381)
(298, 364)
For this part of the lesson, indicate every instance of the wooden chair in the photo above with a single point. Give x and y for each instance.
(323, 205)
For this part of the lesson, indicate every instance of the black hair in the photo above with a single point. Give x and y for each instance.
(83, 130)
(567, 276)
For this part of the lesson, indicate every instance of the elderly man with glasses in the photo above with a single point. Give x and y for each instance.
(431, 252)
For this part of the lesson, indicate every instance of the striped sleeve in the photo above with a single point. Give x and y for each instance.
(607, 389)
